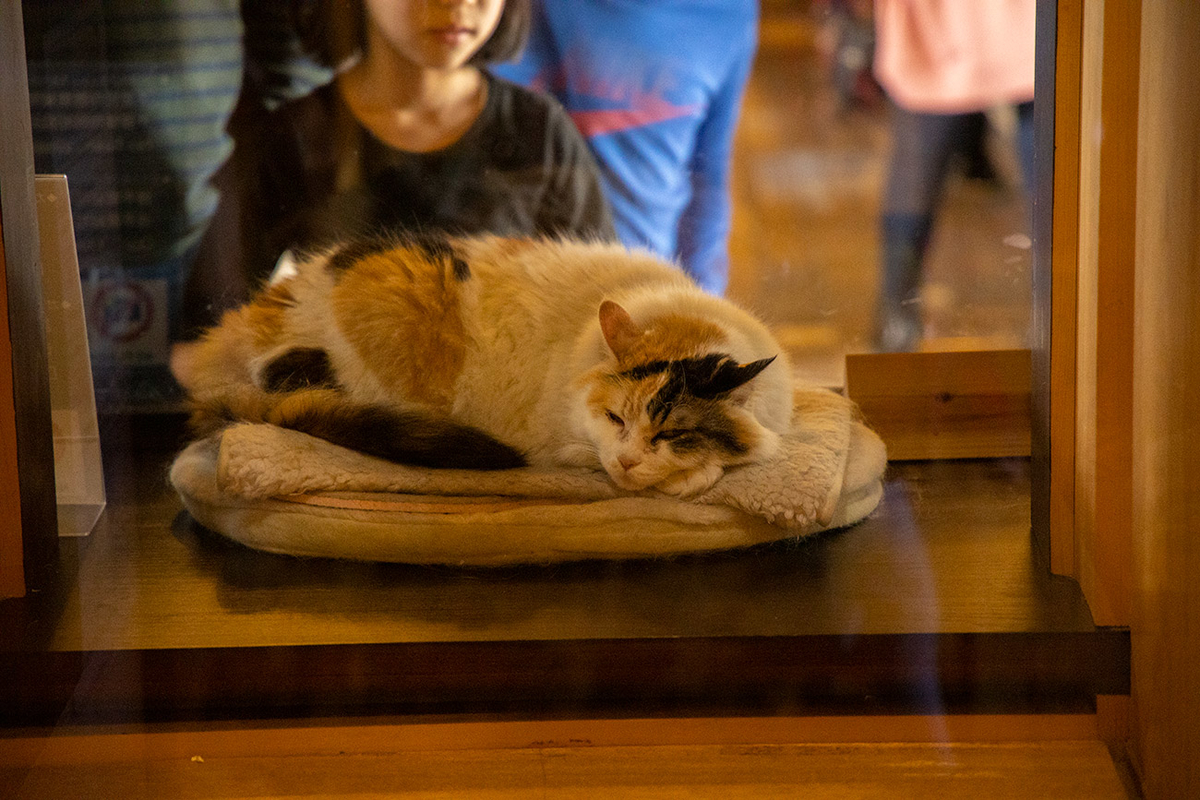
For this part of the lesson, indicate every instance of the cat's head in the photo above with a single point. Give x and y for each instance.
(669, 401)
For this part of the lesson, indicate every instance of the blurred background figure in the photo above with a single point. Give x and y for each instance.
(139, 103)
(942, 63)
(846, 41)
(413, 134)
(133, 102)
(655, 86)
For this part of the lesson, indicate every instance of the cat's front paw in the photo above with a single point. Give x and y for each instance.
(690, 483)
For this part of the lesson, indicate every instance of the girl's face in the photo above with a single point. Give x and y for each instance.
(435, 34)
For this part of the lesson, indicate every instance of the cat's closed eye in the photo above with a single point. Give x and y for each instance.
(614, 419)
(672, 435)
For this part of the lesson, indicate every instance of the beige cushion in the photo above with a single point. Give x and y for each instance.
(286, 492)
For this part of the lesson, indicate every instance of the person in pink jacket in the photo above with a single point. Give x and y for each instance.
(942, 63)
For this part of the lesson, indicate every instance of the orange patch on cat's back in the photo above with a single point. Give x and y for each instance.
(672, 337)
(400, 309)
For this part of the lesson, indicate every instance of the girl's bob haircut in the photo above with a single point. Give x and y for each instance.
(336, 30)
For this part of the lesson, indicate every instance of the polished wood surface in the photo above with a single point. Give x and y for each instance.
(330, 736)
(937, 601)
(1104, 335)
(947, 551)
(12, 566)
(1054, 770)
(27, 444)
(1064, 253)
(971, 404)
(1166, 440)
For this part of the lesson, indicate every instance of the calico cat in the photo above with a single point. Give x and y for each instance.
(491, 353)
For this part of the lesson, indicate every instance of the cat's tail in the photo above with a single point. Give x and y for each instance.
(416, 437)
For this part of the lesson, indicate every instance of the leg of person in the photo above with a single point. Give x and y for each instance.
(976, 162)
(1025, 143)
(922, 146)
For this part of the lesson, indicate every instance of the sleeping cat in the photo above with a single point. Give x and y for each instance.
(491, 353)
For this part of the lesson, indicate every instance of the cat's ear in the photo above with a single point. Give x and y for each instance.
(747, 371)
(620, 331)
(730, 376)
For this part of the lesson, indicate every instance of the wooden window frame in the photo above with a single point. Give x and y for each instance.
(28, 513)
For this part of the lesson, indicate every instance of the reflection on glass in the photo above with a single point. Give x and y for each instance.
(812, 165)
(141, 113)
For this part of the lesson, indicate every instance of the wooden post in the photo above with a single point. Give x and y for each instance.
(28, 523)
(1166, 401)
(1062, 248)
(1105, 324)
(12, 564)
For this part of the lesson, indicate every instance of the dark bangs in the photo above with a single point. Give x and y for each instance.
(332, 30)
(508, 40)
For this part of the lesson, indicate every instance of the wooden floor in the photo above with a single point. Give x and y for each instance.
(1053, 770)
(214, 768)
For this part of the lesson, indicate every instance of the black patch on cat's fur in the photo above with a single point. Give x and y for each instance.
(355, 251)
(705, 378)
(714, 430)
(461, 271)
(726, 376)
(299, 368)
(646, 370)
(668, 394)
(414, 437)
(434, 247)
(438, 248)
(723, 436)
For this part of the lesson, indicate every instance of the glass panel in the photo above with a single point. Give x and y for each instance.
(140, 113)
(212, 146)
(816, 149)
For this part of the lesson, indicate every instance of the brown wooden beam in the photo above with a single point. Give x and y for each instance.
(25, 433)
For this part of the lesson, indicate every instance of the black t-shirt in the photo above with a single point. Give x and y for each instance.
(310, 174)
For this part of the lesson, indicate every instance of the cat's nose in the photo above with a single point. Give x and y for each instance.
(628, 462)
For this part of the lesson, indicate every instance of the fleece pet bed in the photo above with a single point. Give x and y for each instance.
(286, 492)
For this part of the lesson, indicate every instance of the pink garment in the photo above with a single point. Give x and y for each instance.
(954, 56)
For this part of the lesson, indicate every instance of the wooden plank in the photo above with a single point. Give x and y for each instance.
(1112, 719)
(968, 523)
(1050, 672)
(1058, 770)
(172, 619)
(1064, 278)
(1084, 434)
(12, 564)
(945, 404)
(325, 737)
(1104, 337)
(26, 360)
(1166, 440)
